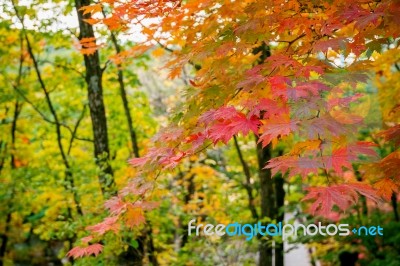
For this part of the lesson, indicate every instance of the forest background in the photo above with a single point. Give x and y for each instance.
(122, 121)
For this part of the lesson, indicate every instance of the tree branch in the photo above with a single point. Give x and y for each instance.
(68, 173)
(73, 136)
(248, 186)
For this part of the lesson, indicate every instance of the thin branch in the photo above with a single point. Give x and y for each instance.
(73, 136)
(397, 66)
(248, 186)
(295, 40)
(105, 65)
(165, 47)
(68, 173)
(64, 67)
(124, 98)
(44, 117)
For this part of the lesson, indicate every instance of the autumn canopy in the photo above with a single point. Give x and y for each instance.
(279, 108)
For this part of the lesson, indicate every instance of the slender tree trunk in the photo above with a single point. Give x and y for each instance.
(150, 245)
(268, 190)
(280, 215)
(363, 199)
(124, 99)
(3, 149)
(280, 201)
(68, 173)
(56, 122)
(4, 237)
(267, 201)
(248, 186)
(96, 104)
(146, 238)
(394, 206)
(190, 190)
(17, 111)
(3, 144)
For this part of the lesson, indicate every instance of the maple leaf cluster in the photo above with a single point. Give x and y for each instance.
(273, 69)
(123, 209)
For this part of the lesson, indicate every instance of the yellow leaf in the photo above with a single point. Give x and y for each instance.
(158, 52)
(306, 145)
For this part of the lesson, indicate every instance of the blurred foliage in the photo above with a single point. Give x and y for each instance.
(38, 213)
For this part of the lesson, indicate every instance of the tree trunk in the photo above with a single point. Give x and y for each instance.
(68, 174)
(248, 186)
(146, 239)
(267, 201)
(394, 206)
(190, 190)
(280, 201)
(150, 245)
(125, 103)
(271, 191)
(96, 104)
(4, 236)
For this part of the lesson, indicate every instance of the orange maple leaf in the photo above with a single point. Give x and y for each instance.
(385, 188)
(134, 216)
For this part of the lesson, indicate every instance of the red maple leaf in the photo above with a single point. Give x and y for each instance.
(305, 71)
(312, 88)
(330, 26)
(240, 123)
(94, 249)
(278, 86)
(115, 205)
(275, 127)
(138, 162)
(302, 90)
(343, 196)
(225, 113)
(197, 140)
(171, 158)
(87, 239)
(296, 165)
(282, 61)
(336, 44)
(342, 102)
(345, 156)
(340, 158)
(326, 197)
(222, 113)
(77, 252)
(108, 224)
(168, 134)
(207, 117)
(322, 126)
(253, 78)
(268, 107)
(230, 123)
(362, 17)
(220, 132)
(135, 188)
